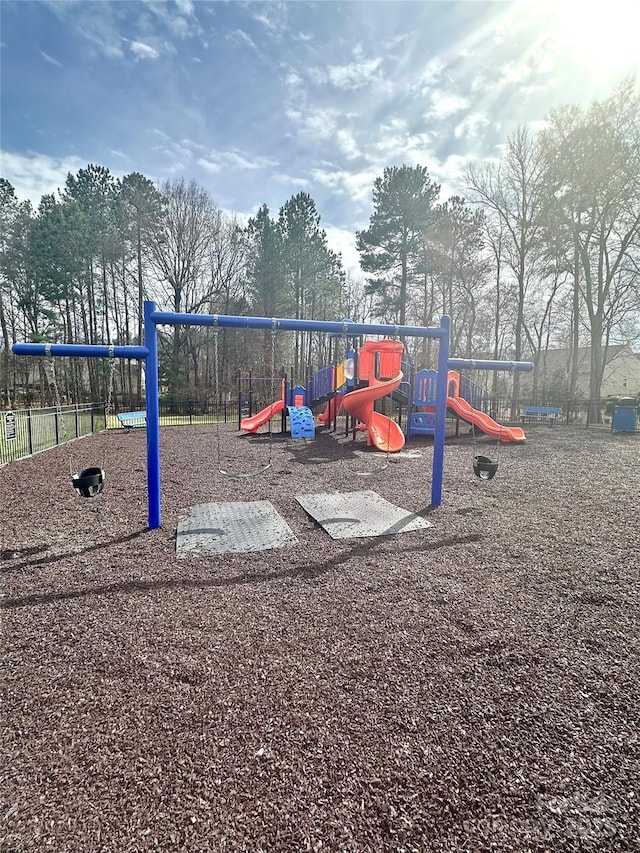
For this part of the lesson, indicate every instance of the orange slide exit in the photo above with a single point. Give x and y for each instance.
(254, 423)
(490, 427)
(486, 424)
(383, 432)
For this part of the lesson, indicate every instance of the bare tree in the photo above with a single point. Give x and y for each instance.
(513, 190)
(180, 254)
(593, 186)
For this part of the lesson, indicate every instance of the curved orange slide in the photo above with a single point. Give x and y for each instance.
(484, 422)
(383, 432)
(254, 423)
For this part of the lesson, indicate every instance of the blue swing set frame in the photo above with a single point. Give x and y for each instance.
(149, 354)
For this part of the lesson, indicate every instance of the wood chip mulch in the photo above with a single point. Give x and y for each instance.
(470, 687)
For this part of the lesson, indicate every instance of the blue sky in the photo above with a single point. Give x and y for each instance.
(258, 100)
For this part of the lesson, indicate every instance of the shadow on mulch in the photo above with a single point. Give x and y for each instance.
(304, 572)
(9, 553)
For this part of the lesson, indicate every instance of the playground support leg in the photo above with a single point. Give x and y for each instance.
(441, 416)
(153, 417)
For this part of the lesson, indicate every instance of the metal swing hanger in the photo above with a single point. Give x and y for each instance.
(89, 483)
(484, 467)
(236, 475)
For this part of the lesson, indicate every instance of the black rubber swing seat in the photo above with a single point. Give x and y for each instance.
(89, 483)
(484, 467)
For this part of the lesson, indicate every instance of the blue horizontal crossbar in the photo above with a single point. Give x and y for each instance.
(488, 364)
(86, 350)
(281, 325)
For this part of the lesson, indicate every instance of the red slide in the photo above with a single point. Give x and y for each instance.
(254, 423)
(484, 422)
(384, 433)
(330, 410)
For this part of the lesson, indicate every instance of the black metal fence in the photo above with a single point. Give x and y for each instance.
(589, 414)
(24, 432)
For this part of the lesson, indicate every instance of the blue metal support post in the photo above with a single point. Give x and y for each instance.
(153, 417)
(441, 414)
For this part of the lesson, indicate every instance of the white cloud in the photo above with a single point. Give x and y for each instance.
(291, 181)
(395, 144)
(181, 25)
(292, 79)
(342, 241)
(265, 21)
(318, 75)
(353, 185)
(50, 59)
(538, 125)
(354, 75)
(143, 51)
(471, 126)
(445, 104)
(208, 166)
(183, 154)
(322, 123)
(449, 174)
(429, 76)
(185, 6)
(34, 175)
(235, 159)
(179, 153)
(347, 144)
(240, 35)
(95, 22)
(514, 73)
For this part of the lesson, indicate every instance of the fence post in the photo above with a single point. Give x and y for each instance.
(75, 415)
(30, 434)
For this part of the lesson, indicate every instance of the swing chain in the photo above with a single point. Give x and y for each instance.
(112, 370)
(274, 326)
(473, 426)
(50, 370)
(483, 467)
(107, 408)
(216, 383)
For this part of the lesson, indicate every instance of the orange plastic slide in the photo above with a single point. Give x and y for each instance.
(331, 410)
(484, 422)
(254, 423)
(383, 432)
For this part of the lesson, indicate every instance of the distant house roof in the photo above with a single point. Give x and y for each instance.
(561, 358)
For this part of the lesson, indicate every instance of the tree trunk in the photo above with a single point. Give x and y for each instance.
(5, 390)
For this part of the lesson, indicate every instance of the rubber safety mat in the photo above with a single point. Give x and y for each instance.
(348, 515)
(234, 527)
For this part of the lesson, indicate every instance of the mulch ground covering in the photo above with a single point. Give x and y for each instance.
(473, 686)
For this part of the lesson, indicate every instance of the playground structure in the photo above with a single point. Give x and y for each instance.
(423, 420)
(380, 433)
(379, 366)
(380, 370)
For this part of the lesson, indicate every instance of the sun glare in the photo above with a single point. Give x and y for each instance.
(603, 35)
(598, 41)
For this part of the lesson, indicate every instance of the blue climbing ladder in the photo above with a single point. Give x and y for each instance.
(301, 421)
